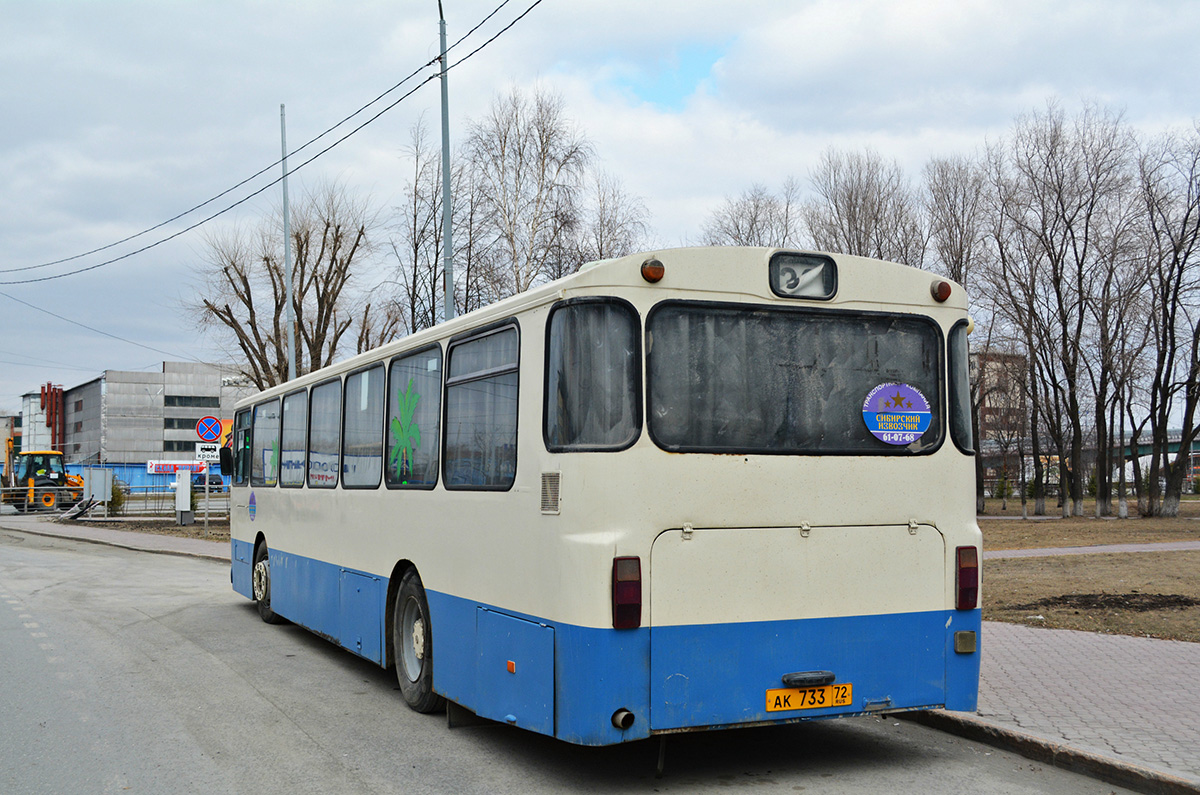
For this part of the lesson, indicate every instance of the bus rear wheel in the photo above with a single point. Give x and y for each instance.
(261, 583)
(412, 644)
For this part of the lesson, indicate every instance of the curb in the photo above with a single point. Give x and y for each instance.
(1103, 768)
(107, 543)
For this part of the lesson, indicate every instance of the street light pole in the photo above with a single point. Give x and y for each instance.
(447, 237)
(287, 251)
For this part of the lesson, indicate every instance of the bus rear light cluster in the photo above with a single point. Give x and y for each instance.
(940, 290)
(967, 579)
(627, 593)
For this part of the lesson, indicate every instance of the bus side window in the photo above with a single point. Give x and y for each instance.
(264, 460)
(481, 411)
(593, 376)
(960, 390)
(241, 448)
(362, 453)
(291, 446)
(414, 414)
(324, 434)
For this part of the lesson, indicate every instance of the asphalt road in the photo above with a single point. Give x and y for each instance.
(132, 672)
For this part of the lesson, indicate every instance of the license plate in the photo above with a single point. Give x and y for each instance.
(789, 698)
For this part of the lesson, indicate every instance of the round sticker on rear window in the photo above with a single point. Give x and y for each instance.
(896, 413)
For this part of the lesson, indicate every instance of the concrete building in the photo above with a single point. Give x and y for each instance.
(35, 431)
(125, 418)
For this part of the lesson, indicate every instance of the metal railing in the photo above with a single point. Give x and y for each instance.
(136, 501)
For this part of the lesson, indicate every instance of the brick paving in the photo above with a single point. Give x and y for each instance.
(1133, 699)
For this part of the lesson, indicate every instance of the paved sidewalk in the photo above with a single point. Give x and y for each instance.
(145, 542)
(1104, 699)
(1136, 700)
(1104, 549)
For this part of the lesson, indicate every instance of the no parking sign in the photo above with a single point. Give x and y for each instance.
(208, 429)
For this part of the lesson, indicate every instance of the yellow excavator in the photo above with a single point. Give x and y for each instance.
(36, 480)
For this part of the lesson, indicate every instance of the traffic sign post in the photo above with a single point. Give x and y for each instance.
(209, 431)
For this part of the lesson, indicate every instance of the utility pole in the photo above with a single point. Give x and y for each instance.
(447, 214)
(287, 251)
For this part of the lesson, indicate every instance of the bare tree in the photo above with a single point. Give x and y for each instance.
(865, 206)
(416, 244)
(615, 223)
(245, 298)
(1060, 180)
(757, 218)
(1169, 172)
(528, 162)
(955, 205)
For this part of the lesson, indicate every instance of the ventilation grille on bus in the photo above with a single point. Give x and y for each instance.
(550, 492)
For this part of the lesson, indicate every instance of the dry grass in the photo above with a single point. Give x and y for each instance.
(1150, 594)
(1082, 532)
(218, 529)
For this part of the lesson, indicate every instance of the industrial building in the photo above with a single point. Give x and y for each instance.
(125, 419)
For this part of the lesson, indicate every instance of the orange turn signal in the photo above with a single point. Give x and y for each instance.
(653, 270)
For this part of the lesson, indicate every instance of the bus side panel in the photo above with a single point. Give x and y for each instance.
(597, 671)
(514, 671)
(305, 592)
(452, 621)
(718, 674)
(241, 556)
(962, 670)
(342, 605)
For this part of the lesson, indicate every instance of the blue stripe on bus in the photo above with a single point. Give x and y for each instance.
(501, 663)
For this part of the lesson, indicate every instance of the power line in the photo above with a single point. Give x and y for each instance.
(98, 331)
(279, 179)
(259, 173)
(43, 365)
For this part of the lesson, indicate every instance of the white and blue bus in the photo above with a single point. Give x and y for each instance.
(693, 489)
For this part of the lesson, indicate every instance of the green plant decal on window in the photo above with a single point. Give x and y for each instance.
(406, 436)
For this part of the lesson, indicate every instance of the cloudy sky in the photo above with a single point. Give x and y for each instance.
(116, 116)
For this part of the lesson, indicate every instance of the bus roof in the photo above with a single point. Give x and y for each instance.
(712, 269)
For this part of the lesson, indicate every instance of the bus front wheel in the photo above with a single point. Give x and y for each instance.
(262, 585)
(412, 643)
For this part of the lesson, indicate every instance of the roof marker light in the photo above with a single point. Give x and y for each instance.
(940, 290)
(653, 270)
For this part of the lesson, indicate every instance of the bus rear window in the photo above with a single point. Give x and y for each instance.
(743, 379)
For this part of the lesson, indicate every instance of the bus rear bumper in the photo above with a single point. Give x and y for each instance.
(571, 682)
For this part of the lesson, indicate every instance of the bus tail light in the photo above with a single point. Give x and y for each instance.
(627, 593)
(968, 578)
(940, 290)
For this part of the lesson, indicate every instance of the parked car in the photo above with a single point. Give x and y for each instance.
(215, 483)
